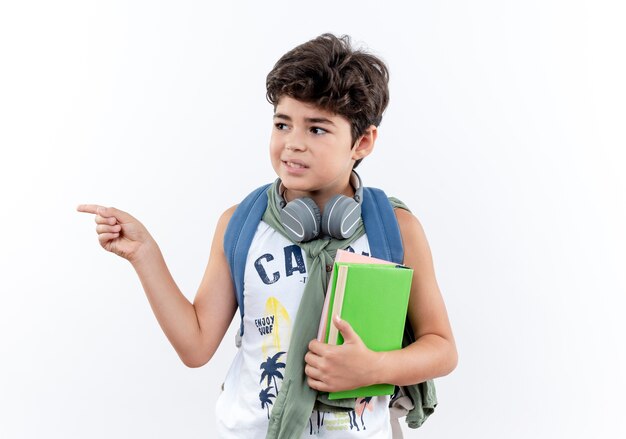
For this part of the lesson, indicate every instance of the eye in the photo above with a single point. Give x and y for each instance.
(318, 131)
(280, 126)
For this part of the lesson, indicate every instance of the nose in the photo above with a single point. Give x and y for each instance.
(295, 141)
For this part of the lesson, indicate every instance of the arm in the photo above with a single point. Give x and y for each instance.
(194, 330)
(433, 354)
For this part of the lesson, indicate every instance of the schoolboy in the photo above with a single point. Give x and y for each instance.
(328, 102)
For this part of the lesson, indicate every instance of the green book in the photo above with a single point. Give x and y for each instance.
(373, 298)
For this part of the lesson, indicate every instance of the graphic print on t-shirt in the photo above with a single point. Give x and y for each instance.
(275, 322)
(342, 421)
(270, 371)
(277, 326)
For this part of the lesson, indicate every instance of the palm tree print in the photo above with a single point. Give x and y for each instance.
(271, 370)
(361, 406)
(266, 399)
(320, 421)
(352, 417)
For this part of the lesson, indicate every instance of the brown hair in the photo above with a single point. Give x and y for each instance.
(329, 73)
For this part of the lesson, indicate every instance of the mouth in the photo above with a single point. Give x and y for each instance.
(294, 164)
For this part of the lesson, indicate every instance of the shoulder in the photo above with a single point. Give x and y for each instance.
(227, 214)
(225, 217)
(413, 235)
(406, 220)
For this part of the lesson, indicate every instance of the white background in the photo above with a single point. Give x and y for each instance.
(505, 134)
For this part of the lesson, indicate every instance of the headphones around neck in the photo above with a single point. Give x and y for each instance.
(303, 222)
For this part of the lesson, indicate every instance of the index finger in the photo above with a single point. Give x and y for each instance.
(317, 347)
(88, 208)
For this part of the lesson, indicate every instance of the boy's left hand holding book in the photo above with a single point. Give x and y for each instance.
(332, 368)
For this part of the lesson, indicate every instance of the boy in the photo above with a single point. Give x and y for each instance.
(328, 102)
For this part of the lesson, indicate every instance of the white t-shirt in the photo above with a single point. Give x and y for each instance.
(274, 281)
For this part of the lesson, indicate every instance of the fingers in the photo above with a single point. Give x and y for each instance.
(105, 228)
(120, 215)
(105, 238)
(108, 233)
(346, 330)
(312, 359)
(315, 377)
(317, 385)
(88, 208)
(105, 212)
(317, 347)
(108, 228)
(104, 215)
(102, 220)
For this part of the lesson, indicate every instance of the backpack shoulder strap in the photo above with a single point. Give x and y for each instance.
(238, 237)
(381, 226)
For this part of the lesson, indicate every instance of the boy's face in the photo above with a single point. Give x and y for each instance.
(312, 150)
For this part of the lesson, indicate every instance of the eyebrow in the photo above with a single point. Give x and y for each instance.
(306, 119)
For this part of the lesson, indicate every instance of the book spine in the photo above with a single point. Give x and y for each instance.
(342, 277)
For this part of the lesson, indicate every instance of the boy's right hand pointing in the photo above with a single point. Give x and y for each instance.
(119, 232)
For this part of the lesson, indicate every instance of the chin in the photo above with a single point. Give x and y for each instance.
(297, 184)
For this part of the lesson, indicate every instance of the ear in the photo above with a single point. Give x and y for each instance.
(364, 145)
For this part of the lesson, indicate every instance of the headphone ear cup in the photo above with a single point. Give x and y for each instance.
(301, 219)
(341, 217)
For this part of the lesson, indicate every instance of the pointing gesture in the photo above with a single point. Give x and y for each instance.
(118, 231)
